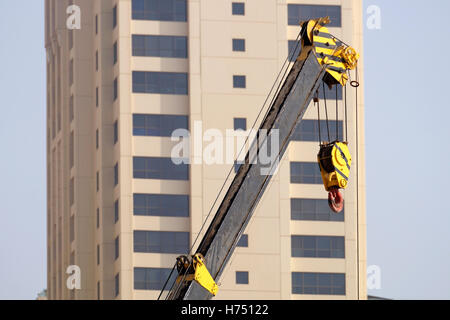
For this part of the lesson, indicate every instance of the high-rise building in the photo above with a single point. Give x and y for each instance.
(122, 211)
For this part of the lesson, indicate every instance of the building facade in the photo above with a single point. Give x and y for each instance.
(118, 207)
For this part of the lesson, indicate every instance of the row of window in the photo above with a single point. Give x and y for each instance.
(176, 10)
(302, 282)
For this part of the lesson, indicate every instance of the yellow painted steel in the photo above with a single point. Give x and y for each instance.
(334, 161)
(337, 58)
(202, 275)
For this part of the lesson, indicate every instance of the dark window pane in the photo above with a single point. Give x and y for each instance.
(318, 283)
(160, 82)
(243, 241)
(159, 125)
(239, 82)
(241, 277)
(317, 246)
(162, 205)
(114, 16)
(159, 168)
(294, 48)
(313, 210)
(303, 12)
(116, 211)
(305, 172)
(238, 44)
(153, 278)
(159, 46)
(163, 10)
(238, 8)
(308, 130)
(161, 242)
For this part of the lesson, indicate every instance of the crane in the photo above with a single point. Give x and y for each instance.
(323, 60)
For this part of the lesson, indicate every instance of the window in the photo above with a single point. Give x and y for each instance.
(98, 290)
(330, 94)
(161, 205)
(237, 165)
(238, 8)
(70, 40)
(163, 10)
(161, 242)
(159, 46)
(238, 44)
(158, 125)
(318, 283)
(98, 181)
(116, 211)
(96, 139)
(294, 48)
(117, 285)
(239, 81)
(160, 82)
(71, 109)
(72, 228)
(96, 24)
(116, 132)
(115, 53)
(114, 17)
(115, 90)
(240, 124)
(305, 172)
(96, 97)
(96, 60)
(72, 191)
(98, 254)
(308, 130)
(116, 174)
(302, 12)
(71, 150)
(159, 168)
(241, 277)
(98, 218)
(317, 247)
(116, 248)
(153, 278)
(71, 72)
(313, 210)
(243, 241)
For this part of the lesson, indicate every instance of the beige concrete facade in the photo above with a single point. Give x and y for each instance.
(73, 234)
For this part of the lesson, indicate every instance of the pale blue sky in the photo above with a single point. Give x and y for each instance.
(407, 149)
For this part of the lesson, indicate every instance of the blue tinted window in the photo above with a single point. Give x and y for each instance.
(308, 130)
(159, 46)
(114, 16)
(159, 168)
(161, 242)
(116, 211)
(239, 82)
(238, 8)
(243, 241)
(305, 172)
(238, 44)
(116, 132)
(116, 248)
(317, 247)
(313, 210)
(115, 93)
(303, 12)
(330, 94)
(153, 278)
(160, 82)
(115, 53)
(240, 124)
(164, 10)
(161, 205)
(294, 48)
(318, 283)
(159, 125)
(116, 174)
(241, 277)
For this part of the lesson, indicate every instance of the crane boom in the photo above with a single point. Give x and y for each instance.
(249, 184)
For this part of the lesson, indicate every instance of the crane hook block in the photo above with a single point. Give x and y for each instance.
(334, 162)
(202, 275)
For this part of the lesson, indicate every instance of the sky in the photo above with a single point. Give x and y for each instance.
(407, 149)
